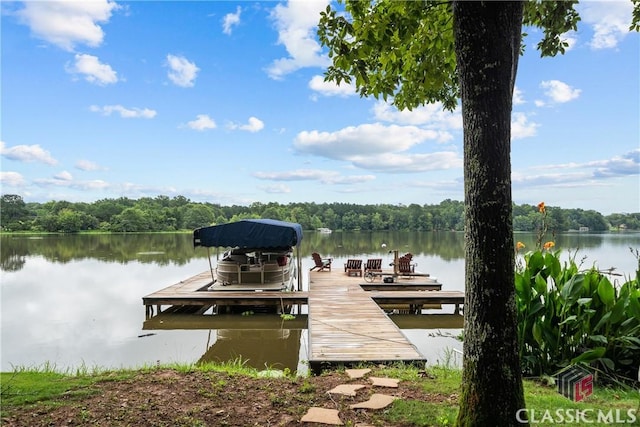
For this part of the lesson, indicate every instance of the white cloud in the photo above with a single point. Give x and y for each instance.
(182, 72)
(518, 98)
(409, 163)
(322, 176)
(27, 153)
(610, 21)
(276, 189)
(68, 23)
(296, 23)
(581, 174)
(557, 180)
(202, 122)
(432, 116)
(296, 175)
(348, 180)
(87, 165)
(66, 181)
(378, 147)
(571, 38)
(627, 164)
(254, 125)
(63, 176)
(521, 127)
(353, 141)
(126, 113)
(12, 179)
(328, 88)
(93, 70)
(230, 20)
(559, 92)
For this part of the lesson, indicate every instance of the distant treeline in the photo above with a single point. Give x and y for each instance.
(163, 213)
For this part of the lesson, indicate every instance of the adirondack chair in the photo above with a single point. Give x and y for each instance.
(374, 264)
(353, 267)
(321, 263)
(405, 266)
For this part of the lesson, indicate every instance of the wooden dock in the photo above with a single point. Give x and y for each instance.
(345, 322)
(347, 327)
(191, 295)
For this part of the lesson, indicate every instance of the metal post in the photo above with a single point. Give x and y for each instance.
(210, 265)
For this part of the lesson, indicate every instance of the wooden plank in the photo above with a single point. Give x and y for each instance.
(347, 326)
(428, 321)
(401, 286)
(418, 297)
(236, 298)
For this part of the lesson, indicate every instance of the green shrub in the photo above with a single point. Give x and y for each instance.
(567, 316)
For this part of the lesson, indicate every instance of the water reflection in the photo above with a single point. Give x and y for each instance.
(160, 249)
(76, 300)
(261, 341)
(177, 248)
(260, 349)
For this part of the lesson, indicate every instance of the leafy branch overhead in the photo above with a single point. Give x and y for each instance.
(405, 50)
(390, 53)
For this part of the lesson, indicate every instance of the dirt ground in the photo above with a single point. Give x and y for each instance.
(171, 398)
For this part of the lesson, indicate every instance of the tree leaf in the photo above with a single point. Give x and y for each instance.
(606, 292)
(589, 355)
(568, 319)
(601, 339)
(583, 301)
(572, 289)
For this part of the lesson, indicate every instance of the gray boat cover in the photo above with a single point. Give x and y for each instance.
(250, 234)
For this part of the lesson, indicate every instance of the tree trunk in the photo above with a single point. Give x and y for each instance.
(487, 42)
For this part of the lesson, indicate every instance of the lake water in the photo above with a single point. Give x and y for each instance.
(75, 301)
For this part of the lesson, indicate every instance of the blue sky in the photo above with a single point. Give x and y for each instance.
(224, 102)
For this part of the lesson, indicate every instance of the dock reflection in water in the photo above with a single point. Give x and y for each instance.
(260, 341)
(428, 321)
(260, 349)
(266, 341)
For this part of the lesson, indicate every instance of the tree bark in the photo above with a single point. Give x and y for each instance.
(487, 42)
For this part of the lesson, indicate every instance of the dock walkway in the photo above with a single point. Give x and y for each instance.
(346, 325)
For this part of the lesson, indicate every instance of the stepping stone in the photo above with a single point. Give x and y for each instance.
(322, 416)
(376, 401)
(346, 389)
(357, 373)
(384, 382)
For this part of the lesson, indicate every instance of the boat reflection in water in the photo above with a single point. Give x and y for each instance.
(260, 341)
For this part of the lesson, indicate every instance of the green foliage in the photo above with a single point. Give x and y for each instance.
(13, 212)
(25, 386)
(392, 49)
(165, 214)
(541, 398)
(567, 316)
(555, 18)
(419, 413)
